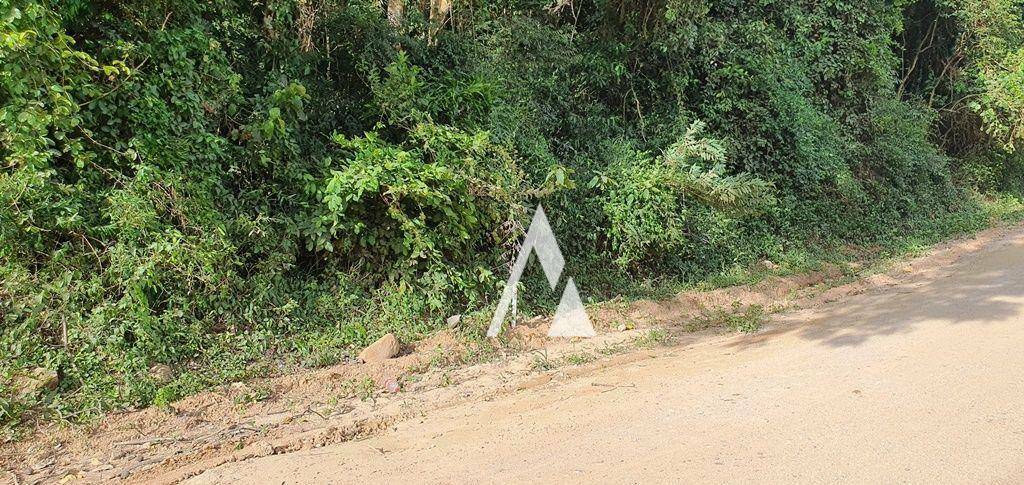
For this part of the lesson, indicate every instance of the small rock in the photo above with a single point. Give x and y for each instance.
(392, 386)
(454, 320)
(768, 265)
(384, 348)
(161, 373)
(38, 380)
(261, 449)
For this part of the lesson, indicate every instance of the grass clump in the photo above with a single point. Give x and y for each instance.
(655, 337)
(738, 317)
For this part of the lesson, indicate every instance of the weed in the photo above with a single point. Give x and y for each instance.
(541, 362)
(252, 395)
(612, 349)
(580, 358)
(738, 318)
(655, 337)
(364, 389)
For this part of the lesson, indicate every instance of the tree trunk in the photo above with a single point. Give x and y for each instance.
(396, 12)
(439, 11)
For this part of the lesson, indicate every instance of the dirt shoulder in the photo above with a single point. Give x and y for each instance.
(348, 402)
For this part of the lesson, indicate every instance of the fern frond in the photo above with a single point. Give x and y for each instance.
(692, 146)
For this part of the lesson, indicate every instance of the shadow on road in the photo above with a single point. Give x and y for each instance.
(981, 288)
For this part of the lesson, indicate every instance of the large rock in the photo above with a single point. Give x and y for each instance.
(384, 348)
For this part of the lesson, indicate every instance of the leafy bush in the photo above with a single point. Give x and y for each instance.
(646, 199)
(447, 196)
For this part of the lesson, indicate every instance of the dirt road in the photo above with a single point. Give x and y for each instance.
(916, 382)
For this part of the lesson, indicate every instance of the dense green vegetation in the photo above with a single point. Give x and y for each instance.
(229, 187)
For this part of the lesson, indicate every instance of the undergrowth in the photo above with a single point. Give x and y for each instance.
(238, 190)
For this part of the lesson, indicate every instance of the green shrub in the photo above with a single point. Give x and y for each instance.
(647, 200)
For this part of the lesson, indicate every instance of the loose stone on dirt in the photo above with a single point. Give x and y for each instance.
(260, 449)
(383, 349)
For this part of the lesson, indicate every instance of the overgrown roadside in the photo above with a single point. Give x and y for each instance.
(195, 193)
(345, 402)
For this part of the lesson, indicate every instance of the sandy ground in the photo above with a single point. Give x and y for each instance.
(915, 379)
